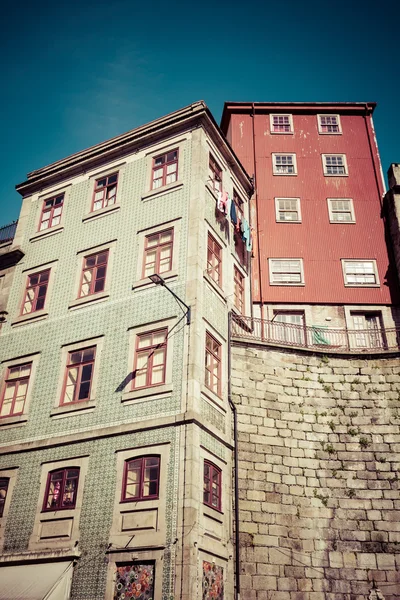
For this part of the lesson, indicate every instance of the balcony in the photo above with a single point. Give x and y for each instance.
(7, 232)
(316, 339)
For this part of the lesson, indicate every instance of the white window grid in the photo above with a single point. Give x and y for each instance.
(360, 273)
(284, 164)
(334, 164)
(341, 210)
(287, 210)
(329, 124)
(281, 123)
(286, 271)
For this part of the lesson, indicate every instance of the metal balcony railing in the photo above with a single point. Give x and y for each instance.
(7, 232)
(316, 338)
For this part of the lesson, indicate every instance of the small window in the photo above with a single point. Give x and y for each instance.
(105, 192)
(61, 489)
(135, 580)
(214, 260)
(35, 293)
(158, 252)
(78, 376)
(329, 124)
(341, 210)
(334, 164)
(284, 164)
(165, 169)
(360, 273)
(51, 212)
(15, 390)
(150, 359)
(239, 290)
(215, 174)
(286, 271)
(4, 482)
(281, 123)
(93, 274)
(141, 478)
(212, 485)
(213, 364)
(287, 210)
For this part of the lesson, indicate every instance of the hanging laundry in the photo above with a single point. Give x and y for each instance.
(246, 235)
(233, 213)
(224, 202)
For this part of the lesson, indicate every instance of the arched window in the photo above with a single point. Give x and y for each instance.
(212, 485)
(141, 478)
(61, 489)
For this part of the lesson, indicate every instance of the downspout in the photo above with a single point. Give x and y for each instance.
(236, 461)
(253, 114)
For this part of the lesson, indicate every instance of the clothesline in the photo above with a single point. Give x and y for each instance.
(226, 205)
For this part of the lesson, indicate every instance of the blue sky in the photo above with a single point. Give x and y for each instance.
(76, 73)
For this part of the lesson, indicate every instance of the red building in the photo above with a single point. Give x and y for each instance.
(322, 258)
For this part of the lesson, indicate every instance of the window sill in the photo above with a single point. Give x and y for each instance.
(101, 212)
(282, 132)
(73, 407)
(46, 232)
(148, 393)
(165, 189)
(285, 174)
(13, 420)
(288, 284)
(94, 298)
(212, 396)
(336, 175)
(146, 282)
(362, 285)
(28, 318)
(330, 132)
(214, 513)
(342, 222)
(286, 222)
(214, 286)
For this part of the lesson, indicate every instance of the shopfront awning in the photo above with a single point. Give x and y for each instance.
(41, 581)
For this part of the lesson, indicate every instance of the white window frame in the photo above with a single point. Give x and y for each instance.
(277, 211)
(291, 283)
(345, 261)
(271, 123)
(329, 132)
(332, 212)
(274, 167)
(324, 166)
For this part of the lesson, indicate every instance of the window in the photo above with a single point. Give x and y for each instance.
(150, 358)
(369, 330)
(341, 210)
(239, 290)
(78, 376)
(286, 271)
(329, 124)
(215, 174)
(158, 252)
(284, 164)
(213, 364)
(105, 192)
(135, 580)
(165, 169)
(4, 481)
(334, 164)
(214, 260)
(281, 123)
(360, 272)
(61, 489)
(51, 212)
(141, 478)
(35, 294)
(93, 274)
(288, 327)
(15, 390)
(212, 485)
(287, 209)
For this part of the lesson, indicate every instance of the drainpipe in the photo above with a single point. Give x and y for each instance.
(236, 461)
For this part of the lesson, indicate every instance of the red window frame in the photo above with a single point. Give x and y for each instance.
(96, 265)
(141, 464)
(82, 361)
(166, 164)
(215, 174)
(214, 260)
(213, 359)
(105, 186)
(158, 248)
(35, 291)
(4, 483)
(212, 495)
(239, 290)
(51, 212)
(11, 381)
(149, 352)
(63, 477)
